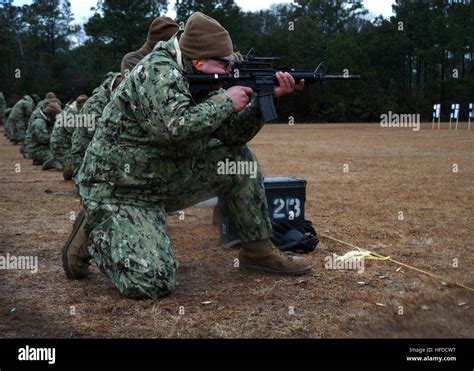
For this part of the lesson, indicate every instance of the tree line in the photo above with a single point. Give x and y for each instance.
(422, 55)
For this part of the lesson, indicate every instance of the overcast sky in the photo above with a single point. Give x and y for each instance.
(81, 8)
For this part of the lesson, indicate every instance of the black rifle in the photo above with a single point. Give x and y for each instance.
(258, 74)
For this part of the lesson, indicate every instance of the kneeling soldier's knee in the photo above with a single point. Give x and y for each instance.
(153, 284)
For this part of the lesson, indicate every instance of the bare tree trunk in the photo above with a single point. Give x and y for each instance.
(425, 74)
(20, 45)
(442, 77)
(409, 71)
(418, 77)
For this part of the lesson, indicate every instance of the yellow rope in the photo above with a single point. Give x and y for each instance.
(376, 256)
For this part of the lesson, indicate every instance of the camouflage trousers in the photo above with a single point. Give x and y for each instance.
(27, 143)
(26, 150)
(60, 144)
(9, 128)
(130, 243)
(41, 155)
(16, 129)
(81, 138)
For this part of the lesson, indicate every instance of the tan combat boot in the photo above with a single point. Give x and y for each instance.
(75, 255)
(68, 171)
(265, 257)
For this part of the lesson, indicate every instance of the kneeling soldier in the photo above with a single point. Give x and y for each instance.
(41, 129)
(156, 150)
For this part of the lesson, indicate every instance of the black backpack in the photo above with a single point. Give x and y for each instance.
(295, 237)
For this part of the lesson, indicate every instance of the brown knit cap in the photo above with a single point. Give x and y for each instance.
(52, 100)
(47, 102)
(50, 95)
(51, 107)
(161, 29)
(129, 61)
(81, 99)
(204, 37)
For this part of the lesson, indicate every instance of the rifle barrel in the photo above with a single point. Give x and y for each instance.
(310, 77)
(342, 77)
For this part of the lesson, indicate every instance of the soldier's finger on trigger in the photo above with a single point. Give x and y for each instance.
(245, 96)
(246, 99)
(247, 90)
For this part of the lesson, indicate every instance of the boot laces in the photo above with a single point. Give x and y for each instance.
(285, 255)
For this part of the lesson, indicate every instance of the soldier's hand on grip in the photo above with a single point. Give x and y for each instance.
(240, 96)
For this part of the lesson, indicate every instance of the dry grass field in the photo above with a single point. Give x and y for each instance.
(389, 171)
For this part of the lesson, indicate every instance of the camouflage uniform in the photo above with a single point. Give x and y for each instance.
(41, 129)
(18, 119)
(94, 106)
(155, 151)
(36, 114)
(3, 107)
(7, 114)
(60, 142)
